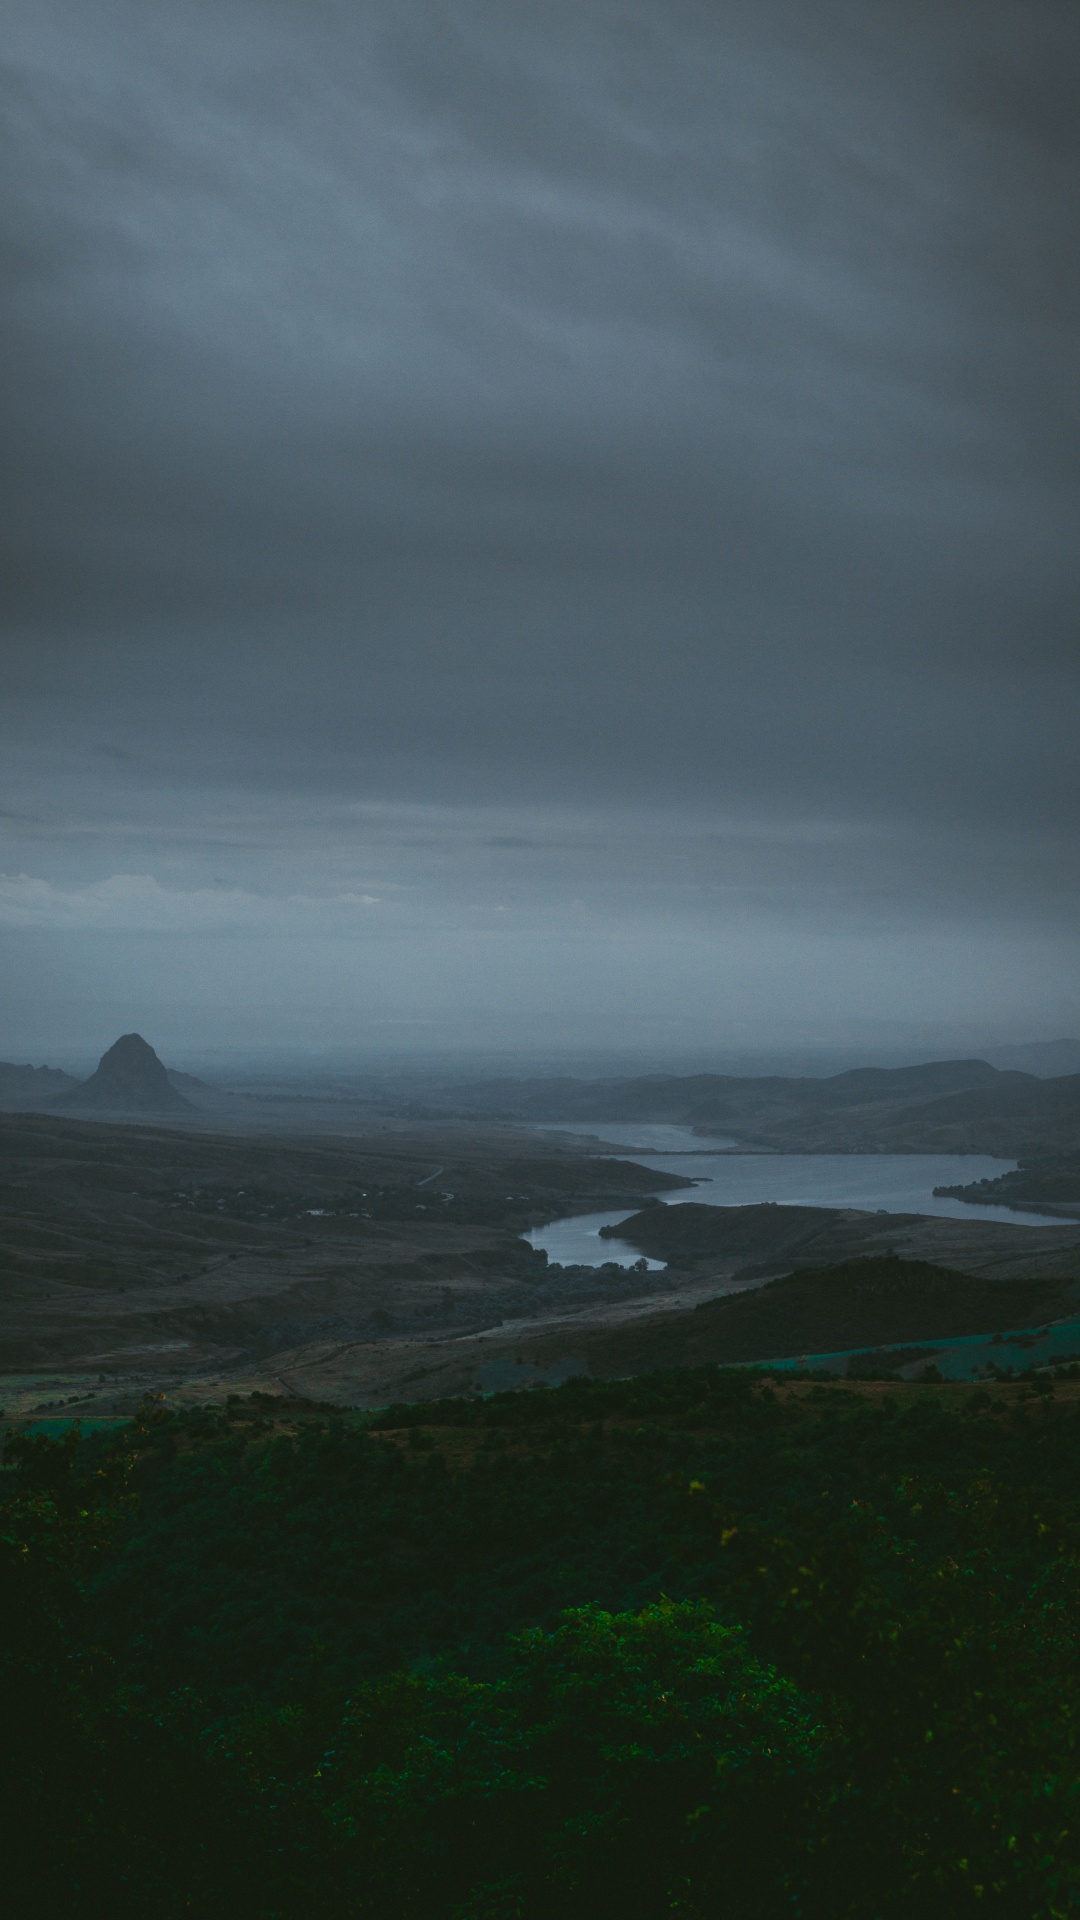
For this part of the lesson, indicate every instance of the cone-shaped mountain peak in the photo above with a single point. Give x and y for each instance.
(130, 1079)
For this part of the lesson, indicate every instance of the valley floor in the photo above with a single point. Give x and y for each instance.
(390, 1265)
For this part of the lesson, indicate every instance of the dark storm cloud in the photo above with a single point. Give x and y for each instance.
(666, 411)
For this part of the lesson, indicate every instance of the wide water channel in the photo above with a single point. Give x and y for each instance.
(877, 1182)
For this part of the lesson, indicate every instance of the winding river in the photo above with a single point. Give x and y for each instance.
(877, 1182)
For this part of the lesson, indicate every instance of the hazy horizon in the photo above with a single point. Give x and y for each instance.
(350, 1069)
(539, 534)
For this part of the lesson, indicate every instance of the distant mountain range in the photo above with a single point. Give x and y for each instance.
(943, 1106)
(32, 1086)
(1048, 1059)
(946, 1106)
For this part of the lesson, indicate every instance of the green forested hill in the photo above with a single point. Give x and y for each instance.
(688, 1644)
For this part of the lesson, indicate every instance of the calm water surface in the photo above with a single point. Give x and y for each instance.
(886, 1182)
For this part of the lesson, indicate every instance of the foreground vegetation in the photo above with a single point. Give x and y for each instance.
(693, 1644)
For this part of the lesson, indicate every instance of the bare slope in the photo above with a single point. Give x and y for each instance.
(388, 1267)
(129, 1249)
(609, 1328)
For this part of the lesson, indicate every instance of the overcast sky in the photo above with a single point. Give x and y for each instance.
(549, 524)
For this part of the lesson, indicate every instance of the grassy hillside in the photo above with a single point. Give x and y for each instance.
(873, 1302)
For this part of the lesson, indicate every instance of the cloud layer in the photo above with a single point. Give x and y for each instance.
(593, 460)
